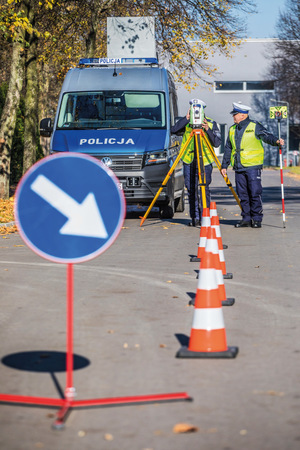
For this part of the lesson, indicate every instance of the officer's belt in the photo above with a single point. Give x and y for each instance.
(239, 149)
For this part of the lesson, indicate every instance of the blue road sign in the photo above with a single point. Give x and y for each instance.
(69, 208)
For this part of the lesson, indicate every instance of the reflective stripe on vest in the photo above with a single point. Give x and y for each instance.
(188, 155)
(251, 151)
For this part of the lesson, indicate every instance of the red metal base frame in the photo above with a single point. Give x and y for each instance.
(66, 405)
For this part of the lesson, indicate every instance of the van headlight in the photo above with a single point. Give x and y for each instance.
(156, 157)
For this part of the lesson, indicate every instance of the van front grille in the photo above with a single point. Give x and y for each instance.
(122, 163)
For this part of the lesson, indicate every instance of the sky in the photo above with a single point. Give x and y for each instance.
(263, 24)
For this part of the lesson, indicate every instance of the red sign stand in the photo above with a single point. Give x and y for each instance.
(38, 191)
(68, 402)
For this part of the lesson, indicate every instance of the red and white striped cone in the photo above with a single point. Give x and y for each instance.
(208, 335)
(205, 224)
(213, 209)
(215, 224)
(212, 246)
(214, 213)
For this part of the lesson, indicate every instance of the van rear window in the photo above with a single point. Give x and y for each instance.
(112, 109)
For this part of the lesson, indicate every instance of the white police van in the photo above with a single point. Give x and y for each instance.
(121, 111)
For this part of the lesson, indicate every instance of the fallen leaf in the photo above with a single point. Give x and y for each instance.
(184, 428)
(243, 432)
(81, 433)
(169, 281)
(125, 345)
(275, 393)
(108, 437)
(162, 345)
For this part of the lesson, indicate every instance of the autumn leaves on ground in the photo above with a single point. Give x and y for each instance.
(7, 216)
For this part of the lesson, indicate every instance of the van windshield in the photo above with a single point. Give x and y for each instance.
(112, 109)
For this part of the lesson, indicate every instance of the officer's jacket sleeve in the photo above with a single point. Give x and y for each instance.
(180, 125)
(214, 135)
(227, 154)
(262, 133)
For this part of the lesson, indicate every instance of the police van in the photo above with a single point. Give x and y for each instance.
(120, 111)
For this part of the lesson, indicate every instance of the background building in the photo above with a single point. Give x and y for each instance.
(243, 77)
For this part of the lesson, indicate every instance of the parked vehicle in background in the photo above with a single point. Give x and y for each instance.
(120, 111)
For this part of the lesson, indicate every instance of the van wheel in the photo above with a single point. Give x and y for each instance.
(179, 202)
(166, 212)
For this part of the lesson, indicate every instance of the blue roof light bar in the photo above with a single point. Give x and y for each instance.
(114, 61)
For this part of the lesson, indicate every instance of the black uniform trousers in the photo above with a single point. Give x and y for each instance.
(192, 185)
(249, 189)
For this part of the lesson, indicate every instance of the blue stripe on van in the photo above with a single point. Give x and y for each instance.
(112, 141)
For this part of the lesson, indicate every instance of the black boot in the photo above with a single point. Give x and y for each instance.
(256, 224)
(243, 223)
(194, 223)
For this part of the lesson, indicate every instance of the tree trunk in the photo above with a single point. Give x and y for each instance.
(91, 43)
(9, 113)
(31, 101)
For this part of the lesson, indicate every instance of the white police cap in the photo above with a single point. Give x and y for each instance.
(196, 101)
(239, 108)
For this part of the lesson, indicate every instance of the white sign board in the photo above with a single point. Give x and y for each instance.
(131, 37)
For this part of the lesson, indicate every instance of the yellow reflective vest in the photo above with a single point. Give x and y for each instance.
(251, 151)
(188, 155)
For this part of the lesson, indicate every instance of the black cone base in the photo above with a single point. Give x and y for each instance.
(228, 302)
(228, 276)
(184, 352)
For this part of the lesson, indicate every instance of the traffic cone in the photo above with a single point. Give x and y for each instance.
(213, 209)
(215, 224)
(205, 224)
(208, 335)
(214, 213)
(212, 246)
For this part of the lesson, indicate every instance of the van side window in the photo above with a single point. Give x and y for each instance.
(173, 108)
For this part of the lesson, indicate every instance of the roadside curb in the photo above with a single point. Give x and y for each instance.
(9, 224)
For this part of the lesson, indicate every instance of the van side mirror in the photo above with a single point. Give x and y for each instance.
(181, 132)
(46, 127)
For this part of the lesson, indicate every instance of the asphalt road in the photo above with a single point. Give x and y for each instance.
(132, 313)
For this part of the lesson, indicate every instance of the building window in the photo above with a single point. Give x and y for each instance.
(228, 85)
(242, 86)
(260, 85)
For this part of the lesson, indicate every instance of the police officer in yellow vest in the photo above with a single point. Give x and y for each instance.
(244, 151)
(190, 168)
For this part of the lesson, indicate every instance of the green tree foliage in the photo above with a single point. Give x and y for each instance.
(188, 32)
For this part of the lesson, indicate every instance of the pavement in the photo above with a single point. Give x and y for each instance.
(132, 313)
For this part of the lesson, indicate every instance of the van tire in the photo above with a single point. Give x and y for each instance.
(166, 211)
(179, 202)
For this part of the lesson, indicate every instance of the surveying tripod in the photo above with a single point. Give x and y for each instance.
(199, 136)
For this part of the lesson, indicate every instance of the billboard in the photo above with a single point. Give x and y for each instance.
(132, 37)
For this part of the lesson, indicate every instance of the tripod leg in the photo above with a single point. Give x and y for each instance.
(201, 169)
(182, 150)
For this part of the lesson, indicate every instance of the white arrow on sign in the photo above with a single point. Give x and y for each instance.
(84, 219)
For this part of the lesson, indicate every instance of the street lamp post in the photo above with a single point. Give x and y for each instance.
(287, 126)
